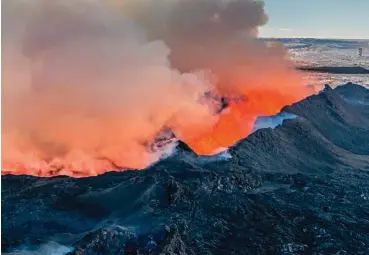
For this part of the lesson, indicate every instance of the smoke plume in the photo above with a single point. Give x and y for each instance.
(88, 84)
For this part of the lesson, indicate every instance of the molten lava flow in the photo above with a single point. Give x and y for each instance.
(237, 121)
(258, 90)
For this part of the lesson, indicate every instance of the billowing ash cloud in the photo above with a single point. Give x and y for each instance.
(88, 84)
(220, 36)
(201, 34)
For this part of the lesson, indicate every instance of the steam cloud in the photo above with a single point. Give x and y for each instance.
(51, 248)
(87, 84)
(272, 121)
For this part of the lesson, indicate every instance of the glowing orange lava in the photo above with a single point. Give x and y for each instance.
(237, 121)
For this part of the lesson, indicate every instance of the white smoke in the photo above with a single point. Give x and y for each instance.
(50, 248)
(272, 121)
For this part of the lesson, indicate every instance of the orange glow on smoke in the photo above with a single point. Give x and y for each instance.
(86, 87)
(234, 123)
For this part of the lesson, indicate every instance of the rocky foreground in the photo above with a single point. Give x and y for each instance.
(301, 188)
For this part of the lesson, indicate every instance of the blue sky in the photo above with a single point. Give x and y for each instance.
(346, 19)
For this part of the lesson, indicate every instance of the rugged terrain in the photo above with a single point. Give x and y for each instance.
(301, 188)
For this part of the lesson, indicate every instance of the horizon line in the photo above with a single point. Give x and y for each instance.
(309, 37)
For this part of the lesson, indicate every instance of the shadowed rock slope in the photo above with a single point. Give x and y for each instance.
(301, 188)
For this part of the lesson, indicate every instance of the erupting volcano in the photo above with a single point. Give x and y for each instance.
(87, 85)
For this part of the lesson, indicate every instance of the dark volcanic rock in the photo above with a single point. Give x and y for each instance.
(301, 188)
(335, 69)
(343, 124)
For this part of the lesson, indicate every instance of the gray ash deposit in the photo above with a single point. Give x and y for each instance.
(300, 188)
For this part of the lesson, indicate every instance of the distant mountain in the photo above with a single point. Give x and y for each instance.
(300, 188)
